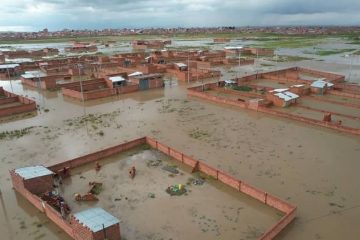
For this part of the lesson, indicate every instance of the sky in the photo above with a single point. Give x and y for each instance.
(34, 15)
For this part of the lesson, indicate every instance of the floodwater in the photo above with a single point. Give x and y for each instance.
(208, 211)
(314, 168)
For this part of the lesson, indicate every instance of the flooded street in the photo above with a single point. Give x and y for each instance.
(314, 168)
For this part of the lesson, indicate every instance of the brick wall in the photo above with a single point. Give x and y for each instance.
(112, 233)
(77, 231)
(197, 92)
(28, 105)
(39, 185)
(92, 157)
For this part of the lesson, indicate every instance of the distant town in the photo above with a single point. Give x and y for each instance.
(290, 30)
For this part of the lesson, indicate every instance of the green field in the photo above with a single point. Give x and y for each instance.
(324, 52)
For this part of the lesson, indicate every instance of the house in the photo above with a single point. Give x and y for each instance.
(321, 86)
(282, 97)
(300, 89)
(9, 70)
(36, 179)
(41, 79)
(95, 224)
(148, 81)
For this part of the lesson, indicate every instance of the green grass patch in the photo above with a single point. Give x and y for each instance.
(291, 42)
(322, 52)
(15, 133)
(242, 88)
(287, 58)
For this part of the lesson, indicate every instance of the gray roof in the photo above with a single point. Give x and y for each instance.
(95, 218)
(33, 172)
(117, 79)
(321, 84)
(34, 74)
(181, 64)
(5, 66)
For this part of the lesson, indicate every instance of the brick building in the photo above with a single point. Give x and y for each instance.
(95, 224)
(36, 179)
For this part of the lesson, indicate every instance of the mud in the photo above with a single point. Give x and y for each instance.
(209, 211)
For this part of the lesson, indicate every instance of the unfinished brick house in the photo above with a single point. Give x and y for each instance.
(183, 73)
(95, 224)
(110, 85)
(9, 70)
(148, 81)
(36, 184)
(81, 48)
(11, 103)
(321, 86)
(16, 54)
(149, 44)
(40, 79)
(282, 97)
(30, 54)
(2, 58)
(221, 40)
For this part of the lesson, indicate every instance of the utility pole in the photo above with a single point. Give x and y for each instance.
(8, 73)
(81, 87)
(188, 67)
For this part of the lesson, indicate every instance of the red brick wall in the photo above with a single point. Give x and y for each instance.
(196, 91)
(8, 100)
(112, 233)
(39, 185)
(92, 157)
(277, 228)
(228, 180)
(55, 216)
(77, 231)
(127, 89)
(345, 94)
(80, 232)
(28, 104)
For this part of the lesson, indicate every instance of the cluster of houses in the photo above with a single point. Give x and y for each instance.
(36, 54)
(295, 82)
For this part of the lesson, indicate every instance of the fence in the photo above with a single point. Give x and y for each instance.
(239, 185)
(26, 105)
(198, 92)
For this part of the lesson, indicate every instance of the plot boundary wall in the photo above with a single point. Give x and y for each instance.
(27, 105)
(239, 185)
(200, 92)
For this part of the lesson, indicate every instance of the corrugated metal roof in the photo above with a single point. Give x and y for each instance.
(230, 81)
(33, 172)
(95, 218)
(321, 84)
(5, 66)
(33, 74)
(279, 90)
(287, 96)
(233, 48)
(135, 74)
(181, 64)
(292, 95)
(117, 79)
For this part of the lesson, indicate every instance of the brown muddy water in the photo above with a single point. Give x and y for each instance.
(314, 168)
(208, 211)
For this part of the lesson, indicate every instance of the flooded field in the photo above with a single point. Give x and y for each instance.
(314, 168)
(207, 211)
